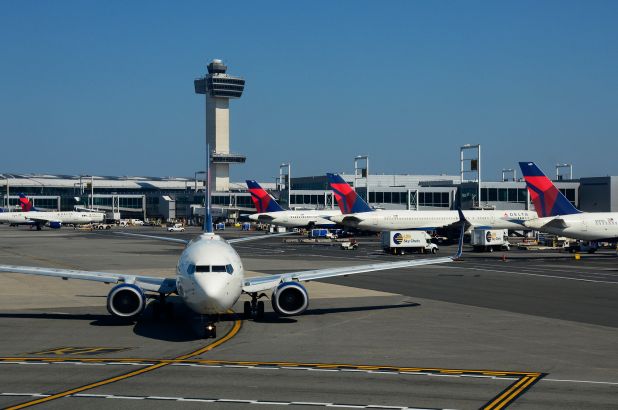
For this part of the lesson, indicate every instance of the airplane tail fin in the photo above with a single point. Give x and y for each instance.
(348, 200)
(547, 199)
(261, 199)
(25, 203)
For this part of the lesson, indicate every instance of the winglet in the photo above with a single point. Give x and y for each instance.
(462, 220)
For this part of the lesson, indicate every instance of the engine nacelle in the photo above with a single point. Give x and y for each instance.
(290, 298)
(126, 300)
(55, 224)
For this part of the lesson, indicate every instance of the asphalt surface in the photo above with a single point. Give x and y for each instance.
(537, 330)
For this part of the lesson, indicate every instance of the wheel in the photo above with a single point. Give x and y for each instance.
(434, 250)
(260, 309)
(247, 309)
(155, 307)
(491, 249)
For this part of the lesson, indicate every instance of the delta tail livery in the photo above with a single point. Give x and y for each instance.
(33, 217)
(356, 213)
(270, 212)
(556, 214)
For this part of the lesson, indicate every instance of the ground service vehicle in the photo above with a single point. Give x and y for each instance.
(176, 228)
(489, 240)
(401, 242)
(581, 246)
(349, 245)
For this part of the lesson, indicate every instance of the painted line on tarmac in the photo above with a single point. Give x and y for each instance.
(536, 274)
(512, 393)
(235, 329)
(228, 401)
(523, 381)
(269, 366)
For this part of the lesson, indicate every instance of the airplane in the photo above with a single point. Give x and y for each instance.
(358, 214)
(210, 278)
(556, 214)
(270, 212)
(29, 215)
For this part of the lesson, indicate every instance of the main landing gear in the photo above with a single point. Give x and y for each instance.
(161, 307)
(255, 308)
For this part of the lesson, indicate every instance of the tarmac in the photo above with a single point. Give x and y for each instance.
(523, 329)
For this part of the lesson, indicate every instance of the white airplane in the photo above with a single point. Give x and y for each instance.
(556, 214)
(210, 277)
(270, 212)
(358, 214)
(55, 219)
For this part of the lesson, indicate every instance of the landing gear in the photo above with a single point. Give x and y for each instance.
(255, 308)
(161, 307)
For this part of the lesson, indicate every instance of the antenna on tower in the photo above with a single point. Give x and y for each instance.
(207, 210)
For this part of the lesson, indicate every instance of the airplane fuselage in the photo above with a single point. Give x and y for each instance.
(66, 217)
(209, 275)
(297, 219)
(430, 220)
(586, 226)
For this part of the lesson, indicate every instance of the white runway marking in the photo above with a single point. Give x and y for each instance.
(229, 401)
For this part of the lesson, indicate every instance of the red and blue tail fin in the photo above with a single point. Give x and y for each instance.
(547, 199)
(348, 200)
(261, 199)
(25, 203)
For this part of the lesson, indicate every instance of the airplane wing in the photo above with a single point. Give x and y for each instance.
(186, 241)
(160, 238)
(148, 283)
(262, 283)
(556, 223)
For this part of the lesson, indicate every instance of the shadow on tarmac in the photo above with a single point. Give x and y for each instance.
(184, 325)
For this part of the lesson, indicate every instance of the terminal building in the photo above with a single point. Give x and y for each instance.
(173, 199)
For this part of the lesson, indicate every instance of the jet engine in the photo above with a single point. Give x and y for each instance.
(55, 224)
(290, 298)
(126, 300)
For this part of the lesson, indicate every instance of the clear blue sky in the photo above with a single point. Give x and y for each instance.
(106, 87)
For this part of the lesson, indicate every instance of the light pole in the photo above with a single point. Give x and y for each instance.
(364, 172)
(475, 166)
(509, 171)
(196, 174)
(287, 177)
(559, 166)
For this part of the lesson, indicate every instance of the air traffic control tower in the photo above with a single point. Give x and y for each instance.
(219, 87)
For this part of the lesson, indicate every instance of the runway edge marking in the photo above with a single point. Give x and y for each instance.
(235, 329)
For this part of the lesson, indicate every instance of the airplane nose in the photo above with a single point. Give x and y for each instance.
(214, 287)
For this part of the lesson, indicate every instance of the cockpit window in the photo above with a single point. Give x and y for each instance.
(218, 268)
(190, 269)
(202, 268)
(229, 269)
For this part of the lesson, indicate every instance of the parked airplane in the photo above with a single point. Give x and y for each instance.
(556, 214)
(210, 277)
(31, 216)
(270, 212)
(358, 214)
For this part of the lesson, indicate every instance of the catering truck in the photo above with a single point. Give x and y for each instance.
(489, 240)
(402, 242)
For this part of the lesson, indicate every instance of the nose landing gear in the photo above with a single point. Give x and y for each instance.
(255, 308)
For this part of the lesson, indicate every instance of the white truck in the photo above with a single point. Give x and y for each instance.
(489, 240)
(401, 242)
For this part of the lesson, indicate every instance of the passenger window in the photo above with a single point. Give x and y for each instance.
(218, 268)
